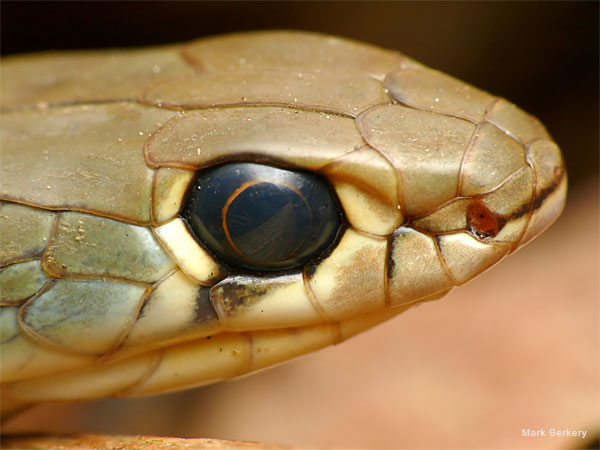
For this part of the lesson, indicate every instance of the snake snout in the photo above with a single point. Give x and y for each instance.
(550, 187)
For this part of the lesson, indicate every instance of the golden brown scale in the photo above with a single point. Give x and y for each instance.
(106, 292)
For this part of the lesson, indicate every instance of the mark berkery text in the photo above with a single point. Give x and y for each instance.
(553, 432)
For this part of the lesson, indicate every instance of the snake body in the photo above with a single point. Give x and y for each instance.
(106, 292)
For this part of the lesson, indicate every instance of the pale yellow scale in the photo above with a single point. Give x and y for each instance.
(104, 291)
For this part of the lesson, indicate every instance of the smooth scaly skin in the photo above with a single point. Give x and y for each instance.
(105, 292)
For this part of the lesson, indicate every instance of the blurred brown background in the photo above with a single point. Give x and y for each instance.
(518, 347)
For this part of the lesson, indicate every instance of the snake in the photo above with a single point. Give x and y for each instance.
(179, 215)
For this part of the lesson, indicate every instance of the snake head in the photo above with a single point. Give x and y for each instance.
(121, 277)
(437, 180)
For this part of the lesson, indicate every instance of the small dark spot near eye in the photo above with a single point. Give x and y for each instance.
(310, 270)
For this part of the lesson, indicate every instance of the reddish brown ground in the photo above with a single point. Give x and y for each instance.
(105, 442)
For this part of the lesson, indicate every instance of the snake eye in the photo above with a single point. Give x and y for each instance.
(262, 218)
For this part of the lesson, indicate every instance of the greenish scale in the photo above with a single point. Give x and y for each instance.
(88, 246)
(22, 280)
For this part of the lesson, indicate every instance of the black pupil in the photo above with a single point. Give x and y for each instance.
(262, 218)
(277, 214)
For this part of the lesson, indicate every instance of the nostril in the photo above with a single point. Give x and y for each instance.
(482, 222)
